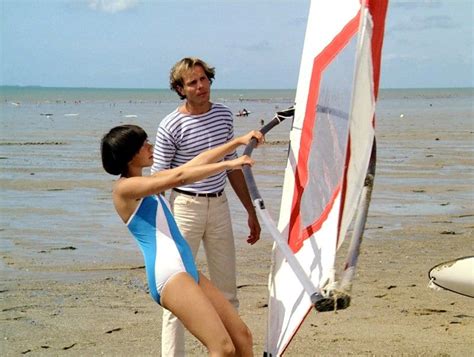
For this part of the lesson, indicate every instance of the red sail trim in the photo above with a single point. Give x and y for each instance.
(378, 10)
(296, 238)
(316, 225)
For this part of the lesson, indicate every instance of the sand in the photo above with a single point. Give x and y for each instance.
(422, 214)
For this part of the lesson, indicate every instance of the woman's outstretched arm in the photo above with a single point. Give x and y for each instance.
(141, 186)
(216, 154)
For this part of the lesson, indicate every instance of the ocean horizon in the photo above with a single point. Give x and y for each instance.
(36, 94)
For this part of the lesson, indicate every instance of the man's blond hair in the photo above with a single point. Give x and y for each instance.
(184, 65)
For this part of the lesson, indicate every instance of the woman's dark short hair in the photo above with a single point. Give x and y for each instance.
(119, 146)
(184, 65)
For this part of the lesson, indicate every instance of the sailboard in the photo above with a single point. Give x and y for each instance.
(455, 275)
(331, 165)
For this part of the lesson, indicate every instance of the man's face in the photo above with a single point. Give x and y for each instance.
(196, 86)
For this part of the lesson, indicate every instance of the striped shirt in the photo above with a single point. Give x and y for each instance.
(181, 137)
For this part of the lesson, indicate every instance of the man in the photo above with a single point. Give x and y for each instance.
(201, 209)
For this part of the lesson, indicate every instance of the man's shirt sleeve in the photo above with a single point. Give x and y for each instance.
(230, 136)
(164, 150)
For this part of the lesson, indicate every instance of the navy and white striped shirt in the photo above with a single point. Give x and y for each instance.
(181, 137)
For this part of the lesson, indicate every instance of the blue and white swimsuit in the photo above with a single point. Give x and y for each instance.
(164, 249)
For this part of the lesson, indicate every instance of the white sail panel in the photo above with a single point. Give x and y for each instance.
(326, 20)
(331, 16)
(289, 302)
(320, 112)
(326, 165)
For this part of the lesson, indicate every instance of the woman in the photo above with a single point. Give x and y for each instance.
(173, 279)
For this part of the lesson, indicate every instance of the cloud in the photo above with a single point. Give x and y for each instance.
(441, 21)
(409, 5)
(418, 23)
(112, 6)
(405, 58)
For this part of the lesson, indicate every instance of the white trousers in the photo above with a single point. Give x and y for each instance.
(207, 220)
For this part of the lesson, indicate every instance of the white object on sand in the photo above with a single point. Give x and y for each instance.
(456, 276)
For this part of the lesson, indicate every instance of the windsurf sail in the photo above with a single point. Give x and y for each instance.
(331, 164)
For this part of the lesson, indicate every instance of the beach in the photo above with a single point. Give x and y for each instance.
(73, 281)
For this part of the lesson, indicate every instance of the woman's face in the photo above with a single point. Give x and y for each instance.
(144, 157)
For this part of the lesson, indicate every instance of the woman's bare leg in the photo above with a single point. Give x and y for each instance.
(237, 329)
(187, 301)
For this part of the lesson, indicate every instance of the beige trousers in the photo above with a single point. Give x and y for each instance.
(207, 220)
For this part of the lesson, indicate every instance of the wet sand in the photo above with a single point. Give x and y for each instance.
(57, 300)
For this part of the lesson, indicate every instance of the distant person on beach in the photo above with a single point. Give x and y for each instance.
(243, 113)
(173, 279)
(201, 208)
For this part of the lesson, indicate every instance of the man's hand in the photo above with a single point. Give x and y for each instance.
(255, 229)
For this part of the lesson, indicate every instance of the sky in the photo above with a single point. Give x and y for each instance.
(251, 43)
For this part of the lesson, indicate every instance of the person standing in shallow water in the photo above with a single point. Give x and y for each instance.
(172, 276)
(201, 209)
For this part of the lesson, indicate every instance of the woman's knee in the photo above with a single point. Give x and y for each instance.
(224, 347)
(243, 341)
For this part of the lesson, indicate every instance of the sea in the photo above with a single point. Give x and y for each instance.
(55, 195)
